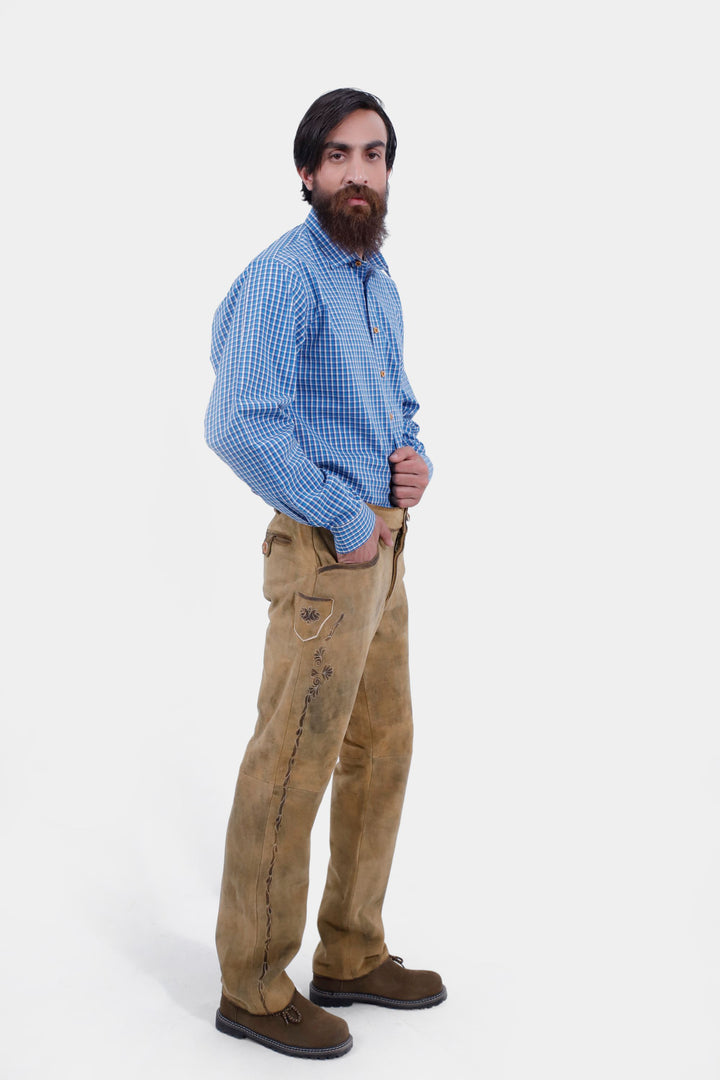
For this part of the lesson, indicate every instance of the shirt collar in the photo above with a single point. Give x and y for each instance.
(335, 254)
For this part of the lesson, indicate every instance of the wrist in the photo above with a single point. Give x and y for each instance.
(354, 533)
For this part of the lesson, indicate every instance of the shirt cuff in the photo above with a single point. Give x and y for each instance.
(355, 532)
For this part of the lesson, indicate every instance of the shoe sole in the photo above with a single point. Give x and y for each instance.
(338, 998)
(239, 1031)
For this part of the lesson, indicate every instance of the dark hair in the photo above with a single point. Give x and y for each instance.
(324, 115)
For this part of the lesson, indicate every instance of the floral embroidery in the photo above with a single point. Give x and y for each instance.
(309, 614)
(319, 674)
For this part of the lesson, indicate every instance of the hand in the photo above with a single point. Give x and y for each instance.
(368, 550)
(409, 477)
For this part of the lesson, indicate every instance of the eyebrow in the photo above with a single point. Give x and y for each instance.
(346, 146)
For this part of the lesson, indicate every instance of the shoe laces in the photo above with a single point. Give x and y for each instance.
(291, 1014)
(398, 960)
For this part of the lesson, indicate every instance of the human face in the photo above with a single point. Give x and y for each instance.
(354, 153)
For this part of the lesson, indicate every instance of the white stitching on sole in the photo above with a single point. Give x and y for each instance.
(339, 995)
(269, 1041)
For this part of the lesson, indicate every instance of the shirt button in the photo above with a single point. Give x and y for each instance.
(375, 330)
(358, 262)
(391, 416)
(382, 374)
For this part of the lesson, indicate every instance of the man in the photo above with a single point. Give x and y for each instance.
(312, 408)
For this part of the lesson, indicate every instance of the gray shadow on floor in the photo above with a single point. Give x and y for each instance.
(187, 969)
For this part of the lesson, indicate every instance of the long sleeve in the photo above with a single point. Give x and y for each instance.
(250, 422)
(410, 428)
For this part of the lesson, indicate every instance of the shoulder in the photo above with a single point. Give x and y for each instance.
(282, 268)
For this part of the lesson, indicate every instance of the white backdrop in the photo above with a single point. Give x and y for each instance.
(554, 235)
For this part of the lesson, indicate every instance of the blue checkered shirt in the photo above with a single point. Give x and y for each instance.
(311, 396)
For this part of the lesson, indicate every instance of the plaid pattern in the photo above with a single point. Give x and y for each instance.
(311, 396)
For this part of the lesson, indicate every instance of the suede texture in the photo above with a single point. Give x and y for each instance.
(304, 1025)
(334, 702)
(389, 980)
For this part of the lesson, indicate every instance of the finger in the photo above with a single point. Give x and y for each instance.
(406, 492)
(409, 479)
(350, 556)
(412, 478)
(403, 453)
(385, 535)
(416, 466)
(406, 481)
(359, 555)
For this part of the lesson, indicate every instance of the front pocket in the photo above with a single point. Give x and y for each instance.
(311, 614)
(272, 538)
(350, 566)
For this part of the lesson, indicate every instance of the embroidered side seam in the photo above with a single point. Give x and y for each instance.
(321, 673)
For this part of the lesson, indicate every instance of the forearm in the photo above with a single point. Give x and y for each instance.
(410, 428)
(264, 453)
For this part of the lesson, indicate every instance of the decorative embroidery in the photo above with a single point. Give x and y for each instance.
(320, 673)
(317, 674)
(309, 614)
(342, 616)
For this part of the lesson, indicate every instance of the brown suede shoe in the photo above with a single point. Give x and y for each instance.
(390, 985)
(300, 1029)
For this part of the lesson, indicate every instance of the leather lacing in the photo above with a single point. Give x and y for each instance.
(291, 1014)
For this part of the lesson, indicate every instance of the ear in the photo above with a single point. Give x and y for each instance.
(307, 178)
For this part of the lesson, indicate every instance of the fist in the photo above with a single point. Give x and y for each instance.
(409, 476)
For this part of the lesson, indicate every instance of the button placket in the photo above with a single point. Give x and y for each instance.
(379, 343)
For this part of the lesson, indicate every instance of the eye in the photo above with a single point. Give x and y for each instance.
(335, 155)
(374, 155)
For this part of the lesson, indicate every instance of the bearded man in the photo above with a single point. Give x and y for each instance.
(312, 408)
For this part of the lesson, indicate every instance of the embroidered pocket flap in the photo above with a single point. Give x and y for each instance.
(311, 614)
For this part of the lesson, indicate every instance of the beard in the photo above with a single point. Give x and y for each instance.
(358, 229)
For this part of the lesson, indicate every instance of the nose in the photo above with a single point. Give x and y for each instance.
(356, 173)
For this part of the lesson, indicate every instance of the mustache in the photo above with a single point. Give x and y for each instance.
(375, 201)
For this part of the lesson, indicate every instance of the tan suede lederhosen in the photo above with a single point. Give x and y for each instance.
(334, 701)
